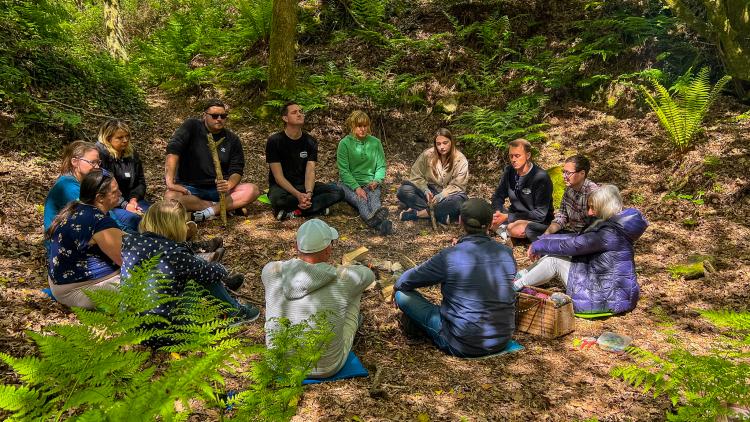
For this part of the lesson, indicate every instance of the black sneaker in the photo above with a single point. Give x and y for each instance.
(386, 228)
(245, 315)
(234, 281)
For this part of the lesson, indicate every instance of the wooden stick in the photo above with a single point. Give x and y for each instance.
(432, 217)
(219, 176)
(375, 390)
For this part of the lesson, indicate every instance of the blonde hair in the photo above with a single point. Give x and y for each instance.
(74, 150)
(606, 201)
(358, 118)
(436, 155)
(107, 131)
(165, 218)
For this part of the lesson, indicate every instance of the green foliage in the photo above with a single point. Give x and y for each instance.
(703, 387)
(681, 113)
(277, 378)
(98, 369)
(367, 13)
(495, 128)
(558, 185)
(47, 86)
(696, 199)
(202, 42)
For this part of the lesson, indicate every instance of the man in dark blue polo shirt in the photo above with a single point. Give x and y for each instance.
(477, 314)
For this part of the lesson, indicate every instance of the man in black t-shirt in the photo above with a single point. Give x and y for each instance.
(291, 156)
(190, 174)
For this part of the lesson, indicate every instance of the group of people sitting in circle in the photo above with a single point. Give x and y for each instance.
(99, 227)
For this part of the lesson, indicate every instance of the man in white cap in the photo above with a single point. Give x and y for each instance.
(301, 287)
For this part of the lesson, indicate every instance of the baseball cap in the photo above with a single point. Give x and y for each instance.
(315, 235)
(476, 213)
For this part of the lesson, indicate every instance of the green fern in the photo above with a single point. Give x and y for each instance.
(681, 113)
(367, 13)
(97, 370)
(495, 128)
(703, 387)
(277, 378)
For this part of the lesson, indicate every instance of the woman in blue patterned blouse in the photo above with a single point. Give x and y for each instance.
(85, 243)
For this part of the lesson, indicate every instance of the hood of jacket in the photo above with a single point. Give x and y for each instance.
(300, 278)
(632, 222)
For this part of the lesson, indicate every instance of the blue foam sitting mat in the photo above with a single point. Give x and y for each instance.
(47, 291)
(352, 368)
(512, 346)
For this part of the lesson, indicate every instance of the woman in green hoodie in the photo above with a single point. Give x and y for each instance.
(361, 163)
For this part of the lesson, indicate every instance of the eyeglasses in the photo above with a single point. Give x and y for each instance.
(95, 163)
(569, 173)
(217, 116)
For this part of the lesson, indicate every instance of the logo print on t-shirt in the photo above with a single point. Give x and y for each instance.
(303, 154)
(526, 191)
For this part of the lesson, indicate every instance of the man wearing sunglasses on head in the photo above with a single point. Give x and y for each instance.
(572, 216)
(190, 174)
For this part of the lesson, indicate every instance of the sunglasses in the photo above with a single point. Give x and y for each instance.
(95, 163)
(106, 178)
(217, 116)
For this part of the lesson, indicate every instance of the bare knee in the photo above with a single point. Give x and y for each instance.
(244, 193)
(173, 195)
(517, 229)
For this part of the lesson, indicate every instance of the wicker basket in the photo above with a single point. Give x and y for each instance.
(540, 317)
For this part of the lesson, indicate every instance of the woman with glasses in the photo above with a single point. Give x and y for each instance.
(597, 265)
(117, 155)
(162, 232)
(361, 163)
(79, 158)
(85, 243)
(439, 178)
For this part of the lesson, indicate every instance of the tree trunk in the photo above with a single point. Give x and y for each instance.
(281, 70)
(726, 23)
(113, 27)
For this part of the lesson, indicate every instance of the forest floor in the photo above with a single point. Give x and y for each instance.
(549, 379)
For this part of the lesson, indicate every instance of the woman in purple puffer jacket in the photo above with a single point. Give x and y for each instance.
(597, 265)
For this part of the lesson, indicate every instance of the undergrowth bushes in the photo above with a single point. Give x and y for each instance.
(99, 370)
(703, 387)
(45, 85)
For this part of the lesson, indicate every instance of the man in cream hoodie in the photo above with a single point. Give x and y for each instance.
(301, 287)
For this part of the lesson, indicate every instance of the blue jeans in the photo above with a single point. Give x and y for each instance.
(426, 315)
(126, 220)
(206, 194)
(367, 207)
(414, 198)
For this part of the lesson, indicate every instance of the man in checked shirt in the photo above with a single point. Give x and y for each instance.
(571, 216)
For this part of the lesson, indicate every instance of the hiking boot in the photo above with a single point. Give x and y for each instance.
(411, 330)
(377, 217)
(214, 256)
(246, 314)
(199, 216)
(210, 245)
(409, 215)
(234, 281)
(385, 228)
(240, 212)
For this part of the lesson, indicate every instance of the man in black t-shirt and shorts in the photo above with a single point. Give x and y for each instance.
(291, 156)
(190, 173)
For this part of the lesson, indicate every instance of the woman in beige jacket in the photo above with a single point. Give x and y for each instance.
(438, 178)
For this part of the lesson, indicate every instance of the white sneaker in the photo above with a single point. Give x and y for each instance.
(199, 216)
(502, 231)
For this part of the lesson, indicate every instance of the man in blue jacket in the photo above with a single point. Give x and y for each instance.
(477, 314)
